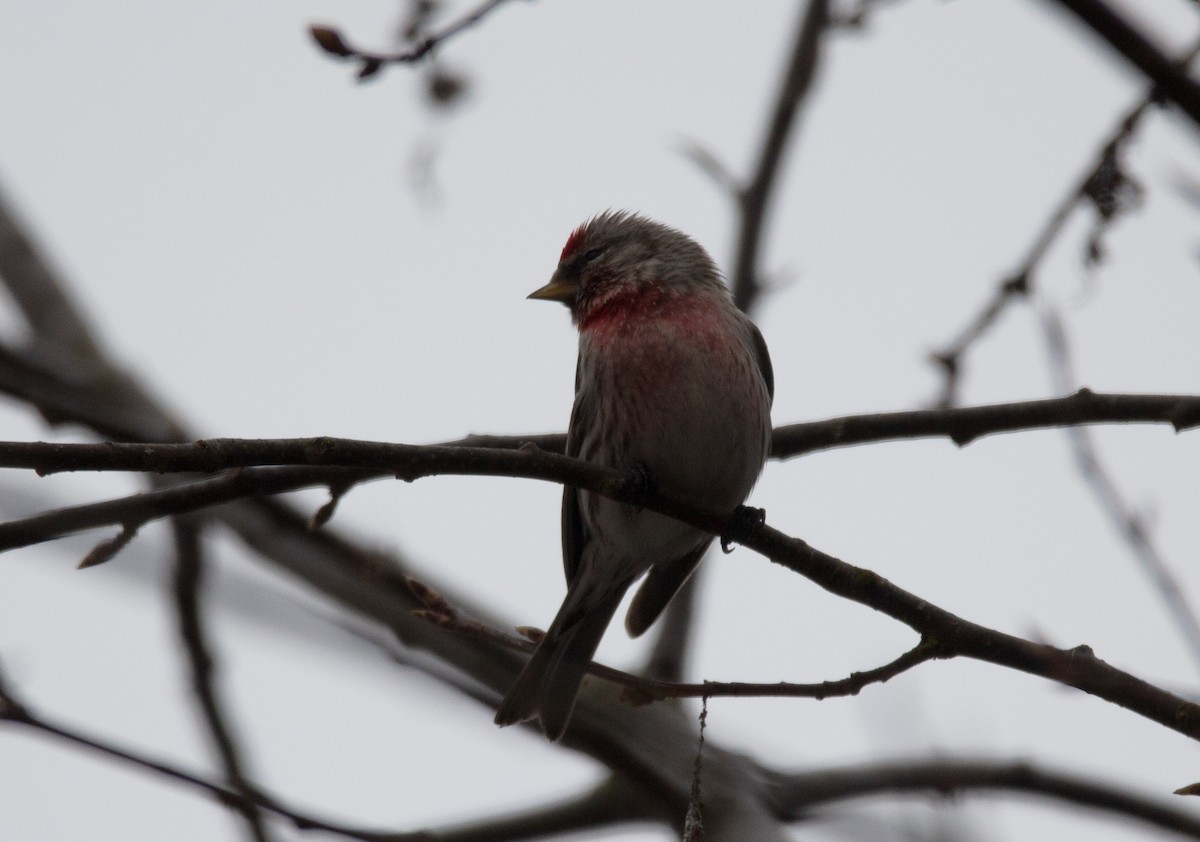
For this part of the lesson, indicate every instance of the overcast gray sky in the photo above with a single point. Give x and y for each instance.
(244, 224)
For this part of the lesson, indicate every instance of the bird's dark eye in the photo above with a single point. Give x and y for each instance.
(591, 254)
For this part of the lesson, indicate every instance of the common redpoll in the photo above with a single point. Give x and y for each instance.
(672, 381)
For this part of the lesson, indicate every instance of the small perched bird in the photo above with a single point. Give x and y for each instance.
(673, 384)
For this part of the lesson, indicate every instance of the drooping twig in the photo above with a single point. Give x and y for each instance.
(693, 822)
(641, 689)
(188, 587)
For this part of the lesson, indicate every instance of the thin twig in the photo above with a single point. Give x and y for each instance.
(188, 586)
(332, 42)
(1130, 525)
(693, 823)
(133, 511)
(754, 199)
(1097, 185)
(640, 690)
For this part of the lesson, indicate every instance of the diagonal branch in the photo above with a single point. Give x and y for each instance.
(1170, 81)
(130, 513)
(1101, 177)
(797, 794)
(15, 712)
(38, 291)
(953, 635)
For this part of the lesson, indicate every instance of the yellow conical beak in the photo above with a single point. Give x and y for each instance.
(557, 290)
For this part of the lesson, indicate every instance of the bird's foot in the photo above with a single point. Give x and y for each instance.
(744, 518)
(639, 484)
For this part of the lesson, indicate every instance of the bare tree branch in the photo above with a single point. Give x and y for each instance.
(954, 636)
(964, 425)
(134, 511)
(1097, 185)
(189, 583)
(798, 794)
(615, 801)
(15, 712)
(642, 689)
(1170, 81)
(484, 454)
(755, 198)
(331, 41)
(38, 291)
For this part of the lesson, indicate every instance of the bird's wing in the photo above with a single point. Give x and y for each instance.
(574, 532)
(658, 588)
(763, 358)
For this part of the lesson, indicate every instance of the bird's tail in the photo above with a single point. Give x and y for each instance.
(549, 684)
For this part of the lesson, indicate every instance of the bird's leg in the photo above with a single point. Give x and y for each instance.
(744, 518)
(639, 484)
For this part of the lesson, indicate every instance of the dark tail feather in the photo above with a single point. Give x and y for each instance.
(658, 588)
(549, 684)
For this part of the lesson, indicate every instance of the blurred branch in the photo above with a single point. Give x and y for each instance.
(62, 371)
(332, 42)
(1105, 186)
(38, 291)
(1077, 667)
(1171, 82)
(755, 197)
(1129, 524)
(15, 712)
(134, 511)
(189, 576)
(796, 795)
(612, 802)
